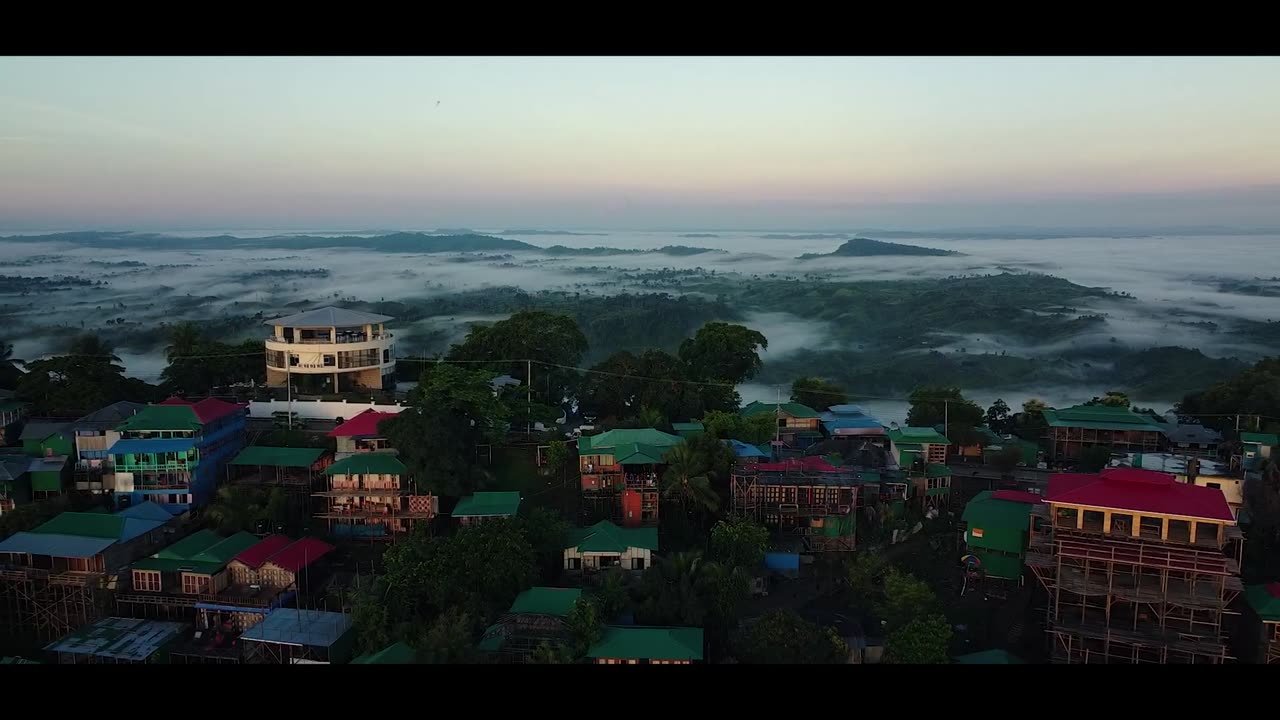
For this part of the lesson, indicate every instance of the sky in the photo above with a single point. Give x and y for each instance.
(637, 143)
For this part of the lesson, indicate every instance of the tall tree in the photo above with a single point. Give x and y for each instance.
(585, 627)
(906, 597)
(9, 372)
(1113, 398)
(998, 417)
(723, 351)
(74, 385)
(817, 393)
(934, 404)
(1092, 459)
(453, 411)
(1252, 396)
(448, 640)
(739, 542)
(756, 429)
(543, 337)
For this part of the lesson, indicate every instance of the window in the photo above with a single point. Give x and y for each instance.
(637, 564)
(146, 581)
(330, 360)
(575, 563)
(1215, 486)
(386, 356)
(194, 584)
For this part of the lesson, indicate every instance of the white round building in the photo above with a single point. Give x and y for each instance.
(331, 350)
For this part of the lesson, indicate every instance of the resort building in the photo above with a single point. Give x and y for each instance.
(331, 350)
(998, 526)
(1191, 439)
(605, 545)
(174, 453)
(538, 615)
(1264, 602)
(1073, 429)
(289, 636)
(361, 434)
(1191, 470)
(636, 645)
(621, 468)
(807, 497)
(95, 433)
(923, 444)
(799, 426)
(482, 506)
(1139, 568)
(370, 495)
(118, 641)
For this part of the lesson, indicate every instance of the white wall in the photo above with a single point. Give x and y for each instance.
(591, 560)
(318, 409)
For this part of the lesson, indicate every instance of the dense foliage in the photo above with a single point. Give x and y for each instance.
(817, 393)
(1254, 391)
(783, 637)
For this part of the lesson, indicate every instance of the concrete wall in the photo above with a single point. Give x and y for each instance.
(592, 560)
(318, 409)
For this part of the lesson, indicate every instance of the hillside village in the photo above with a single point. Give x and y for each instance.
(513, 507)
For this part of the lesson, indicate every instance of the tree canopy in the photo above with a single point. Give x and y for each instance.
(817, 393)
(1252, 392)
(85, 379)
(453, 410)
(756, 429)
(723, 351)
(921, 641)
(998, 417)
(536, 335)
(739, 542)
(934, 404)
(784, 638)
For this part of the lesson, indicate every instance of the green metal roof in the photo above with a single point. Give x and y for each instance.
(1099, 417)
(546, 601)
(398, 654)
(989, 657)
(917, 436)
(987, 512)
(605, 537)
(278, 456)
(204, 552)
(368, 463)
(7, 405)
(937, 470)
(483, 504)
(95, 525)
(649, 643)
(17, 661)
(162, 417)
(1265, 600)
(688, 427)
(794, 409)
(1268, 439)
(638, 454)
(614, 438)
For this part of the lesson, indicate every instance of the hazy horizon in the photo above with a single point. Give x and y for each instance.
(761, 144)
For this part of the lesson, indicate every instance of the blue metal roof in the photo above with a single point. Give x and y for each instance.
(133, 527)
(845, 410)
(744, 450)
(66, 546)
(147, 511)
(290, 626)
(151, 445)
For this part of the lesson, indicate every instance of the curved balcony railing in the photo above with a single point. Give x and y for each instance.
(340, 340)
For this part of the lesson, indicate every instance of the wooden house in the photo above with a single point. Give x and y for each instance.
(799, 426)
(605, 545)
(636, 645)
(538, 615)
(933, 486)
(482, 506)
(195, 565)
(1073, 429)
(1139, 567)
(808, 497)
(621, 468)
(360, 434)
(369, 495)
(911, 445)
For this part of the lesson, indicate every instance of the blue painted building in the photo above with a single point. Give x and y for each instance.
(173, 453)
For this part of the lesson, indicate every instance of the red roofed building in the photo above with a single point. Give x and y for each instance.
(1139, 567)
(360, 434)
(277, 560)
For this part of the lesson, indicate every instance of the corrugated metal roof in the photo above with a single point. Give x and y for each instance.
(364, 424)
(484, 504)
(1268, 439)
(329, 317)
(300, 554)
(369, 463)
(51, 463)
(162, 417)
(83, 524)
(1139, 491)
(605, 537)
(54, 545)
(119, 639)
(917, 436)
(744, 450)
(133, 527)
(794, 409)
(546, 601)
(42, 430)
(309, 628)
(255, 556)
(278, 456)
(151, 445)
(626, 436)
(1190, 433)
(1099, 417)
(649, 643)
(147, 511)
(109, 416)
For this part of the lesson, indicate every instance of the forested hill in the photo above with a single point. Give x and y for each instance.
(395, 242)
(866, 247)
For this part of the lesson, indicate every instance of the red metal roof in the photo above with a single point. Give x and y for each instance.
(1139, 490)
(363, 425)
(810, 463)
(301, 554)
(1017, 496)
(258, 554)
(206, 410)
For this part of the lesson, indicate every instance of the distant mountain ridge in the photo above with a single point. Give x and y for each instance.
(866, 247)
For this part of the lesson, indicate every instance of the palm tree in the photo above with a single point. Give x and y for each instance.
(677, 590)
(183, 339)
(651, 418)
(688, 479)
(547, 654)
(6, 355)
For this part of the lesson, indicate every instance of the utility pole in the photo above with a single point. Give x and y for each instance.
(288, 381)
(528, 373)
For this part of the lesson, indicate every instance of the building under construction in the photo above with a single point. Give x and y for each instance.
(808, 497)
(1139, 568)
